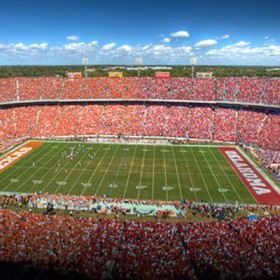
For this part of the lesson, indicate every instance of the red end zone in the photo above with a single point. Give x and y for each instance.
(261, 190)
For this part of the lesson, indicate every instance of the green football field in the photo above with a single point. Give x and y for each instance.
(153, 172)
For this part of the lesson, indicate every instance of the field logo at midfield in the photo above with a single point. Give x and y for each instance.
(259, 187)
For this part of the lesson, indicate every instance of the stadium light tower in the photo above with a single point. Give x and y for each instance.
(85, 62)
(193, 63)
(139, 63)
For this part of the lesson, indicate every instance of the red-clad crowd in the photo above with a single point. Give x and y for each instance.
(255, 127)
(117, 249)
(253, 90)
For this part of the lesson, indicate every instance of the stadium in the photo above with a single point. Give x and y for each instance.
(158, 146)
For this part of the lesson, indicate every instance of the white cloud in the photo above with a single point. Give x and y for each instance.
(226, 36)
(185, 49)
(125, 48)
(42, 46)
(108, 46)
(180, 34)
(73, 38)
(74, 46)
(80, 46)
(205, 43)
(166, 40)
(242, 44)
(21, 46)
(146, 47)
(241, 52)
(93, 44)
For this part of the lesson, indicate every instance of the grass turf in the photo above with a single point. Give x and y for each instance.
(199, 173)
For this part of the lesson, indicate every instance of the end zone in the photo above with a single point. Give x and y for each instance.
(258, 186)
(19, 153)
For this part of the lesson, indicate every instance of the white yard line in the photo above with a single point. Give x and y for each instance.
(226, 176)
(96, 167)
(141, 174)
(68, 174)
(177, 173)
(277, 189)
(37, 170)
(129, 174)
(165, 176)
(20, 166)
(217, 181)
(189, 173)
(104, 176)
(62, 169)
(202, 175)
(153, 177)
(15, 148)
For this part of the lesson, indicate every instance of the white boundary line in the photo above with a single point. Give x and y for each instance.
(131, 143)
(202, 176)
(213, 174)
(141, 174)
(21, 166)
(190, 177)
(68, 174)
(129, 173)
(100, 183)
(153, 178)
(15, 148)
(45, 173)
(165, 175)
(177, 173)
(276, 188)
(230, 182)
(28, 169)
(84, 169)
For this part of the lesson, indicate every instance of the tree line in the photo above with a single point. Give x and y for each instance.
(102, 71)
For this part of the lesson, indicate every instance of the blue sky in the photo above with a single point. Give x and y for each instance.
(53, 32)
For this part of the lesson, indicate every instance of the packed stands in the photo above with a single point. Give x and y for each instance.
(249, 124)
(248, 90)
(203, 89)
(255, 127)
(272, 90)
(233, 249)
(201, 123)
(155, 120)
(225, 124)
(178, 121)
(136, 115)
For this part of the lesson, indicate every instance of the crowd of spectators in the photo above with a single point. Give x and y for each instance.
(253, 90)
(254, 127)
(121, 249)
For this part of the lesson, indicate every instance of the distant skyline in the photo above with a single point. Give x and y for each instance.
(56, 32)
